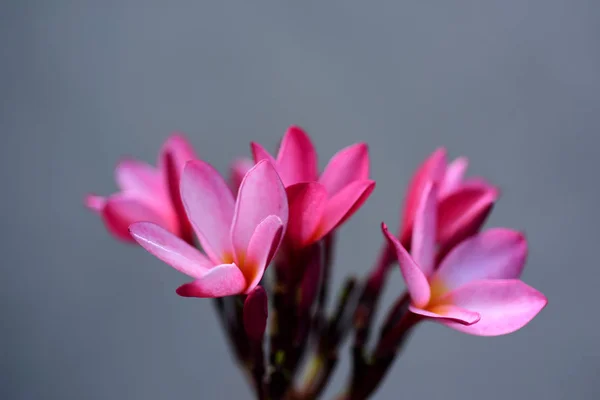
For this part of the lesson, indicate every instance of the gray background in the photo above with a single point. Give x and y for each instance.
(511, 84)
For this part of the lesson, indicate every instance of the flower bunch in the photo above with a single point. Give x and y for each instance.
(282, 211)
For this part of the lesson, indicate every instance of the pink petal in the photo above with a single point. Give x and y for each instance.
(347, 165)
(494, 254)
(174, 155)
(504, 306)
(259, 153)
(140, 178)
(122, 210)
(170, 249)
(462, 213)
(432, 169)
(209, 205)
(307, 203)
(94, 202)
(297, 158)
(343, 205)
(238, 170)
(424, 230)
(222, 280)
(256, 311)
(262, 247)
(179, 150)
(448, 312)
(261, 194)
(416, 281)
(454, 176)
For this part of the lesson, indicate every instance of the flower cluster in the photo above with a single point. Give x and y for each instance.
(282, 211)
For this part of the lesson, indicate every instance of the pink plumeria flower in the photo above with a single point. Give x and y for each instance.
(240, 236)
(319, 204)
(463, 204)
(147, 193)
(476, 289)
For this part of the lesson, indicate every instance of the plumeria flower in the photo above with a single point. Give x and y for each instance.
(463, 204)
(147, 193)
(476, 289)
(318, 203)
(240, 236)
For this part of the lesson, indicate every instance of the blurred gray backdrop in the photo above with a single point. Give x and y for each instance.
(512, 84)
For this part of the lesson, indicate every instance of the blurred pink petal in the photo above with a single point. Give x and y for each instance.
(176, 150)
(222, 280)
(140, 178)
(307, 203)
(454, 176)
(424, 230)
(494, 254)
(262, 247)
(346, 166)
(463, 212)
(343, 205)
(147, 193)
(256, 311)
(261, 194)
(297, 158)
(448, 312)
(94, 202)
(504, 306)
(209, 205)
(416, 281)
(432, 170)
(121, 210)
(170, 249)
(238, 169)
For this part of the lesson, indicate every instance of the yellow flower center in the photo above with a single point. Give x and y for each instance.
(248, 267)
(438, 291)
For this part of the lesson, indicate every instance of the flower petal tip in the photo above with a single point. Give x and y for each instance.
(170, 249)
(175, 139)
(176, 150)
(438, 158)
(384, 228)
(505, 306)
(185, 290)
(296, 130)
(94, 202)
(297, 158)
